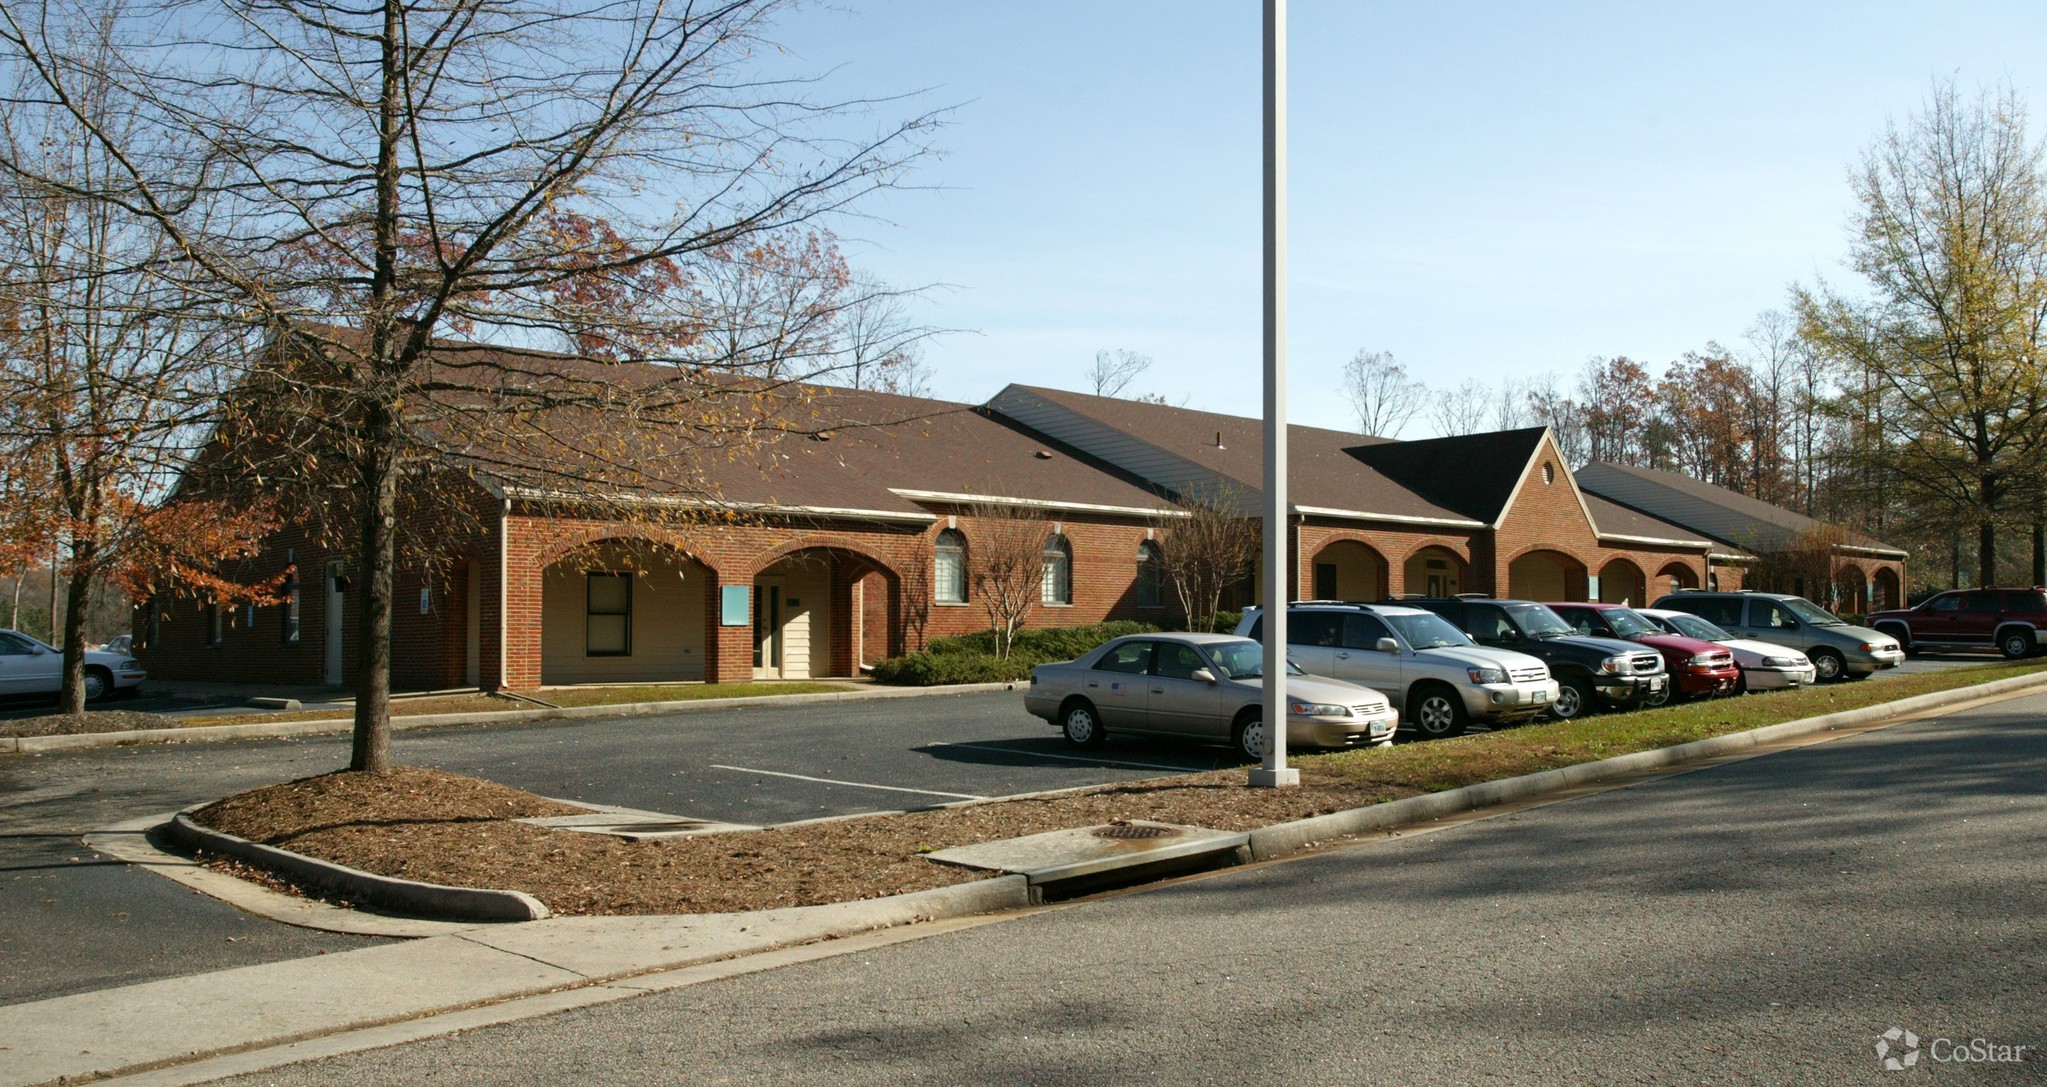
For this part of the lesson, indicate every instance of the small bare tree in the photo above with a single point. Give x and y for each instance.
(1379, 390)
(1466, 409)
(1205, 546)
(1113, 371)
(1006, 563)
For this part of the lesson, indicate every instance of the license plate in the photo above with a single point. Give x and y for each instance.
(1656, 684)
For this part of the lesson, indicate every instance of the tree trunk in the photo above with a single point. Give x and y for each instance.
(2040, 552)
(71, 699)
(372, 747)
(1986, 554)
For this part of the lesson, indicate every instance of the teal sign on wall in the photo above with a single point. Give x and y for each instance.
(738, 606)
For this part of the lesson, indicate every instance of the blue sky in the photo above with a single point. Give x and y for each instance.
(1486, 190)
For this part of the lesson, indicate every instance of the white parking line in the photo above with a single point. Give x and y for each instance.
(1079, 758)
(851, 784)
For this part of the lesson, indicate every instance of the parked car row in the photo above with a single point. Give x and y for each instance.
(1440, 664)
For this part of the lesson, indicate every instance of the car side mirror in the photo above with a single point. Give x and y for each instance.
(1202, 674)
(1388, 645)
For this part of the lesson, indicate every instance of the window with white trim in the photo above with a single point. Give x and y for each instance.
(1057, 585)
(949, 570)
(1151, 576)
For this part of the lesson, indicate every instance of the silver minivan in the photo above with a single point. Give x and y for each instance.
(1837, 649)
(1441, 679)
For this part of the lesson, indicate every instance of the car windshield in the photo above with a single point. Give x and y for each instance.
(1627, 622)
(1244, 660)
(1537, 621)
(1692, 626)
(1426, 631)
(1809, 612)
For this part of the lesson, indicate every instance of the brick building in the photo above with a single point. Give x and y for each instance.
(853, 541)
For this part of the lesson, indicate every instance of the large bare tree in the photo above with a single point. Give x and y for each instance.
(1381, 393)
(108, 368)
(357, 182)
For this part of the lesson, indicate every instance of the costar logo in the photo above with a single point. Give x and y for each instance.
(1909, 1056)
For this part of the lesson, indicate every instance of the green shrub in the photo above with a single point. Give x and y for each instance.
(1050, 644)
(935, 669)
(1225, 622)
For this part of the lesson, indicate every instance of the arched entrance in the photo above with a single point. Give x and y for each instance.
(1621, 582)
(1349, 570)
(1546, 575)
(1435, 571)
(824, 611)
(1851, 591)
(623, 611)
(1676, 577)
(1887, 594)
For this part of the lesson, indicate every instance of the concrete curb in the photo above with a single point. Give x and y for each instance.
(431, 900)
(327, 726)
(1283, 839)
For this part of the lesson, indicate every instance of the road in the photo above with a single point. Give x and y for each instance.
(1761, 921)
(71, 922)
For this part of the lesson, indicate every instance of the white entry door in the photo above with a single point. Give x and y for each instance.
(332, 673)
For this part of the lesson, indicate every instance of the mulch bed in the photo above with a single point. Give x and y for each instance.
(444, 828)
(75, 724)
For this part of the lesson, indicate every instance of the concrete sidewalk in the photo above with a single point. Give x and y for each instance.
(179, 1020)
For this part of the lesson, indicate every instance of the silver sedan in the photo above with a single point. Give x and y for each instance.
(1205, 687)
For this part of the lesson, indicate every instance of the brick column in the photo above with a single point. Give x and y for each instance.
(728, 651)
(520, 600)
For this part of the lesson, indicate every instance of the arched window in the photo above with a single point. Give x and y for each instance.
(949, 572)
(1151, 576)
(1057, 587)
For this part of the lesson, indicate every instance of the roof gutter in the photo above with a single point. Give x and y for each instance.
(1031, 503)
(1654, 540)
(1396, 518)
(529, 494)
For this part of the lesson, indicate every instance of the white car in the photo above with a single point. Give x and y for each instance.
(1765, 666)
(29, 666)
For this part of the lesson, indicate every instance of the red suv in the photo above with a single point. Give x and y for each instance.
(1698, 669)
(2011, 621)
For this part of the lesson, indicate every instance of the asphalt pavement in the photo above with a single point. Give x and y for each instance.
(1758, 922)
(72, 921)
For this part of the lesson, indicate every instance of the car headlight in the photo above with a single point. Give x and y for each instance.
(1483, 674)
(1700, 660)
(1615, 665)
(1316, 709)
(1784, 662)
(130, 665)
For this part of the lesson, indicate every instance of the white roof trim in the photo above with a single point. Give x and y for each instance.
(530, 494)
(1653, 540)
(1875, 552)
(1033, 503)
(1361, 515)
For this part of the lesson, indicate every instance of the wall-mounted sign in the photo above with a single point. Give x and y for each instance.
(737, 610)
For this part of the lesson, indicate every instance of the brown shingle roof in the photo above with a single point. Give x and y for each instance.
(1728, 517)
(1327, 469)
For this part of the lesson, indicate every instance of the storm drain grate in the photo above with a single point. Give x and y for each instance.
(1129, 832)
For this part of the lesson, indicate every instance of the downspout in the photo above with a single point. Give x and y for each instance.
(504, 570)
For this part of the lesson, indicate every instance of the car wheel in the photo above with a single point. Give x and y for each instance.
(1741, 682)
(1082, 726)
(1827, 665)
(2015, 644)
(1903, 636)
(1574, 699)
(1250, 737)
(1660, 696)
(98, 683)
(1438, 712)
